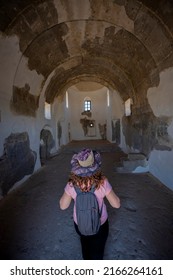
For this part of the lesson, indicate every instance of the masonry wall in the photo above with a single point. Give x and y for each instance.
(27, 116)
(20, 126)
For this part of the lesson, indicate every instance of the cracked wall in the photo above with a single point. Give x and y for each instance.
(48, 46)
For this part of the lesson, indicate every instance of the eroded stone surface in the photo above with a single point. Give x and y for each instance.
(17, 161)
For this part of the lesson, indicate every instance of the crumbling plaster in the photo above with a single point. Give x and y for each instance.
(10, 56)
(48, 46)
(89, 26)
(102, 30)
(26, 76)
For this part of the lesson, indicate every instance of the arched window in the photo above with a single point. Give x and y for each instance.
(108, 98)
(87, 104)
(47, 111)
(128, 104)
(66, 99)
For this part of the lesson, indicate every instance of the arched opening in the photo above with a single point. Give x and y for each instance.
(91, 113)
(95, 72)
(48, 47)
(46, 144)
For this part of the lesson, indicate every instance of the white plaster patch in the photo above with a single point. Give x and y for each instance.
(72, 10)
(123, 20)
(114, 14)
(160, 165)
(161, 98)
(79, 31)
(75, 37)
(141, 169)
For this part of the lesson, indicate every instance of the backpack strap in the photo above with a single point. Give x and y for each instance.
(78, 190)
(93, 190)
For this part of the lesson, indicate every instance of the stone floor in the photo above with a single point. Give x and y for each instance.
(33, 227)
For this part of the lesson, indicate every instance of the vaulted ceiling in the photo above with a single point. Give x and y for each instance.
(122, 44)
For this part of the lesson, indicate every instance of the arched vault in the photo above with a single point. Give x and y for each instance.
(124, 44)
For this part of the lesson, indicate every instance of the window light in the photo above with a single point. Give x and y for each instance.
(87, 105)
(128, 104)
(47, 111)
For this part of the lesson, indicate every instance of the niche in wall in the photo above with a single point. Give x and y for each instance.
(46, 144)
(102, 130)
(127, 106)
(116, 133)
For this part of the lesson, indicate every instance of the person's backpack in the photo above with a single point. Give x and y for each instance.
(87, 212)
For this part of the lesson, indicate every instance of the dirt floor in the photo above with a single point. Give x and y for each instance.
(32, 226)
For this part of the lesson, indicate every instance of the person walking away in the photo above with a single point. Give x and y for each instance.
(86, 177)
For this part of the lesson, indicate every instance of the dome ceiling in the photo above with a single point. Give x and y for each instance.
(121, 44)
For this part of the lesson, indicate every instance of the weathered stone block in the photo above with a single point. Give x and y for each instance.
(17, 161)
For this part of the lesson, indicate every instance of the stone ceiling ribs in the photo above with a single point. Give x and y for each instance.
(125, 43)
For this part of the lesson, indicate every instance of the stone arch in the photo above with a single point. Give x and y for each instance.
(125, 45)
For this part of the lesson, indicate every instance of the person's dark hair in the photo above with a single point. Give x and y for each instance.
(85, 183)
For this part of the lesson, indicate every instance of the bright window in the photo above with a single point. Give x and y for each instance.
(87, 105)
(128, 104)
(66, 99)
(108, 98)
(47, 111)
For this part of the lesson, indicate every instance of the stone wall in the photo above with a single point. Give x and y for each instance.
(17, 161)
(126, 46)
